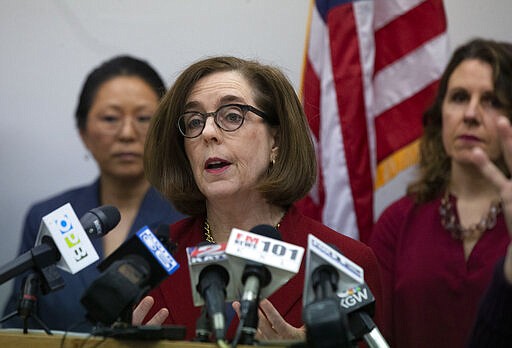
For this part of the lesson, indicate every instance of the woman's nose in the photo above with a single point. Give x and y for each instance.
(210, 128)
(128, 128)
(472, 112)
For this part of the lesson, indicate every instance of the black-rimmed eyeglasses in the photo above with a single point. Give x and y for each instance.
(228, 117)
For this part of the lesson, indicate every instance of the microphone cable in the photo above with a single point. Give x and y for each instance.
(238, 333)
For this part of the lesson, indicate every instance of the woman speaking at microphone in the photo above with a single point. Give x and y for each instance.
(230, 146)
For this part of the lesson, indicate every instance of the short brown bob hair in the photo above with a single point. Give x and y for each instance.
(289, 179)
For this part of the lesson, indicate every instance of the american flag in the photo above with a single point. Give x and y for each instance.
(371, 68)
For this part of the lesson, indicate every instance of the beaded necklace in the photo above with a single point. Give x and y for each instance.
(450, 220)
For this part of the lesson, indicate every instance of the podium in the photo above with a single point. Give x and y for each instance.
(11, 338)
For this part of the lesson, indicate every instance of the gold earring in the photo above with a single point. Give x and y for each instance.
(273, 159)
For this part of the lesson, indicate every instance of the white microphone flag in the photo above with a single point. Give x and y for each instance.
(283, 259)
(64, 227)
(320, 253)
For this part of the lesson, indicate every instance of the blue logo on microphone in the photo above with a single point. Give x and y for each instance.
(156, 248)
(64, 224)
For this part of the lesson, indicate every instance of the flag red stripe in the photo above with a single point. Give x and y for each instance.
(311, 98)
(401, 36)
(402, 124)
(311, 94)
(348, 83)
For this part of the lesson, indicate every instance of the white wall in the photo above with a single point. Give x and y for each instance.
(47, 47)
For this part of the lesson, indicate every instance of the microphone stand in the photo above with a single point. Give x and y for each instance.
(27, 303)
(254, 277)
(45, 277)
(249, 315)
(203, 331)
(362, 326)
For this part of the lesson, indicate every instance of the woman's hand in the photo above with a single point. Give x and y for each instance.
(502, 184)
(271, 325)
(143, 308)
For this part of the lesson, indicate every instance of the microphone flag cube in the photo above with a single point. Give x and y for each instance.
(281, 258)
(66, 231)
(319, 253)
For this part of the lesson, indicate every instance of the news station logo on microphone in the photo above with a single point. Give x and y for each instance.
(282, 259)
(202, 256)
(319, 253)
(134, 268)
(160, 253)
(355, 297)
(66, 231)
(207, 253)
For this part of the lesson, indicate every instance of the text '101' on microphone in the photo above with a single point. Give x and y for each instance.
(282, 259)
(255, 277)
(134, 268)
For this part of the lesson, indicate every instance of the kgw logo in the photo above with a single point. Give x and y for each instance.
(354, 296)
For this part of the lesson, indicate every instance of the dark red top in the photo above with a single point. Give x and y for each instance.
(175, 292)
(431, 292)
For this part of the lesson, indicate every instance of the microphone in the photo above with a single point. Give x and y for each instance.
(265, 262)
(282, 259)
(254, 277)
(212, 282)
(326, 324)
(320, 254)
(138, 265)
(163, 234)
(358, 304)
(99, 221)
(62, 241)
(334, 280)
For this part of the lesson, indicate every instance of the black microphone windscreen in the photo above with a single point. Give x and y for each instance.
(128, 273)
(112, 294)
(163, 233)
(266, 231)
(99, 221)
(134, 246)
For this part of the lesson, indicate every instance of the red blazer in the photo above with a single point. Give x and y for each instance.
(175, 292)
